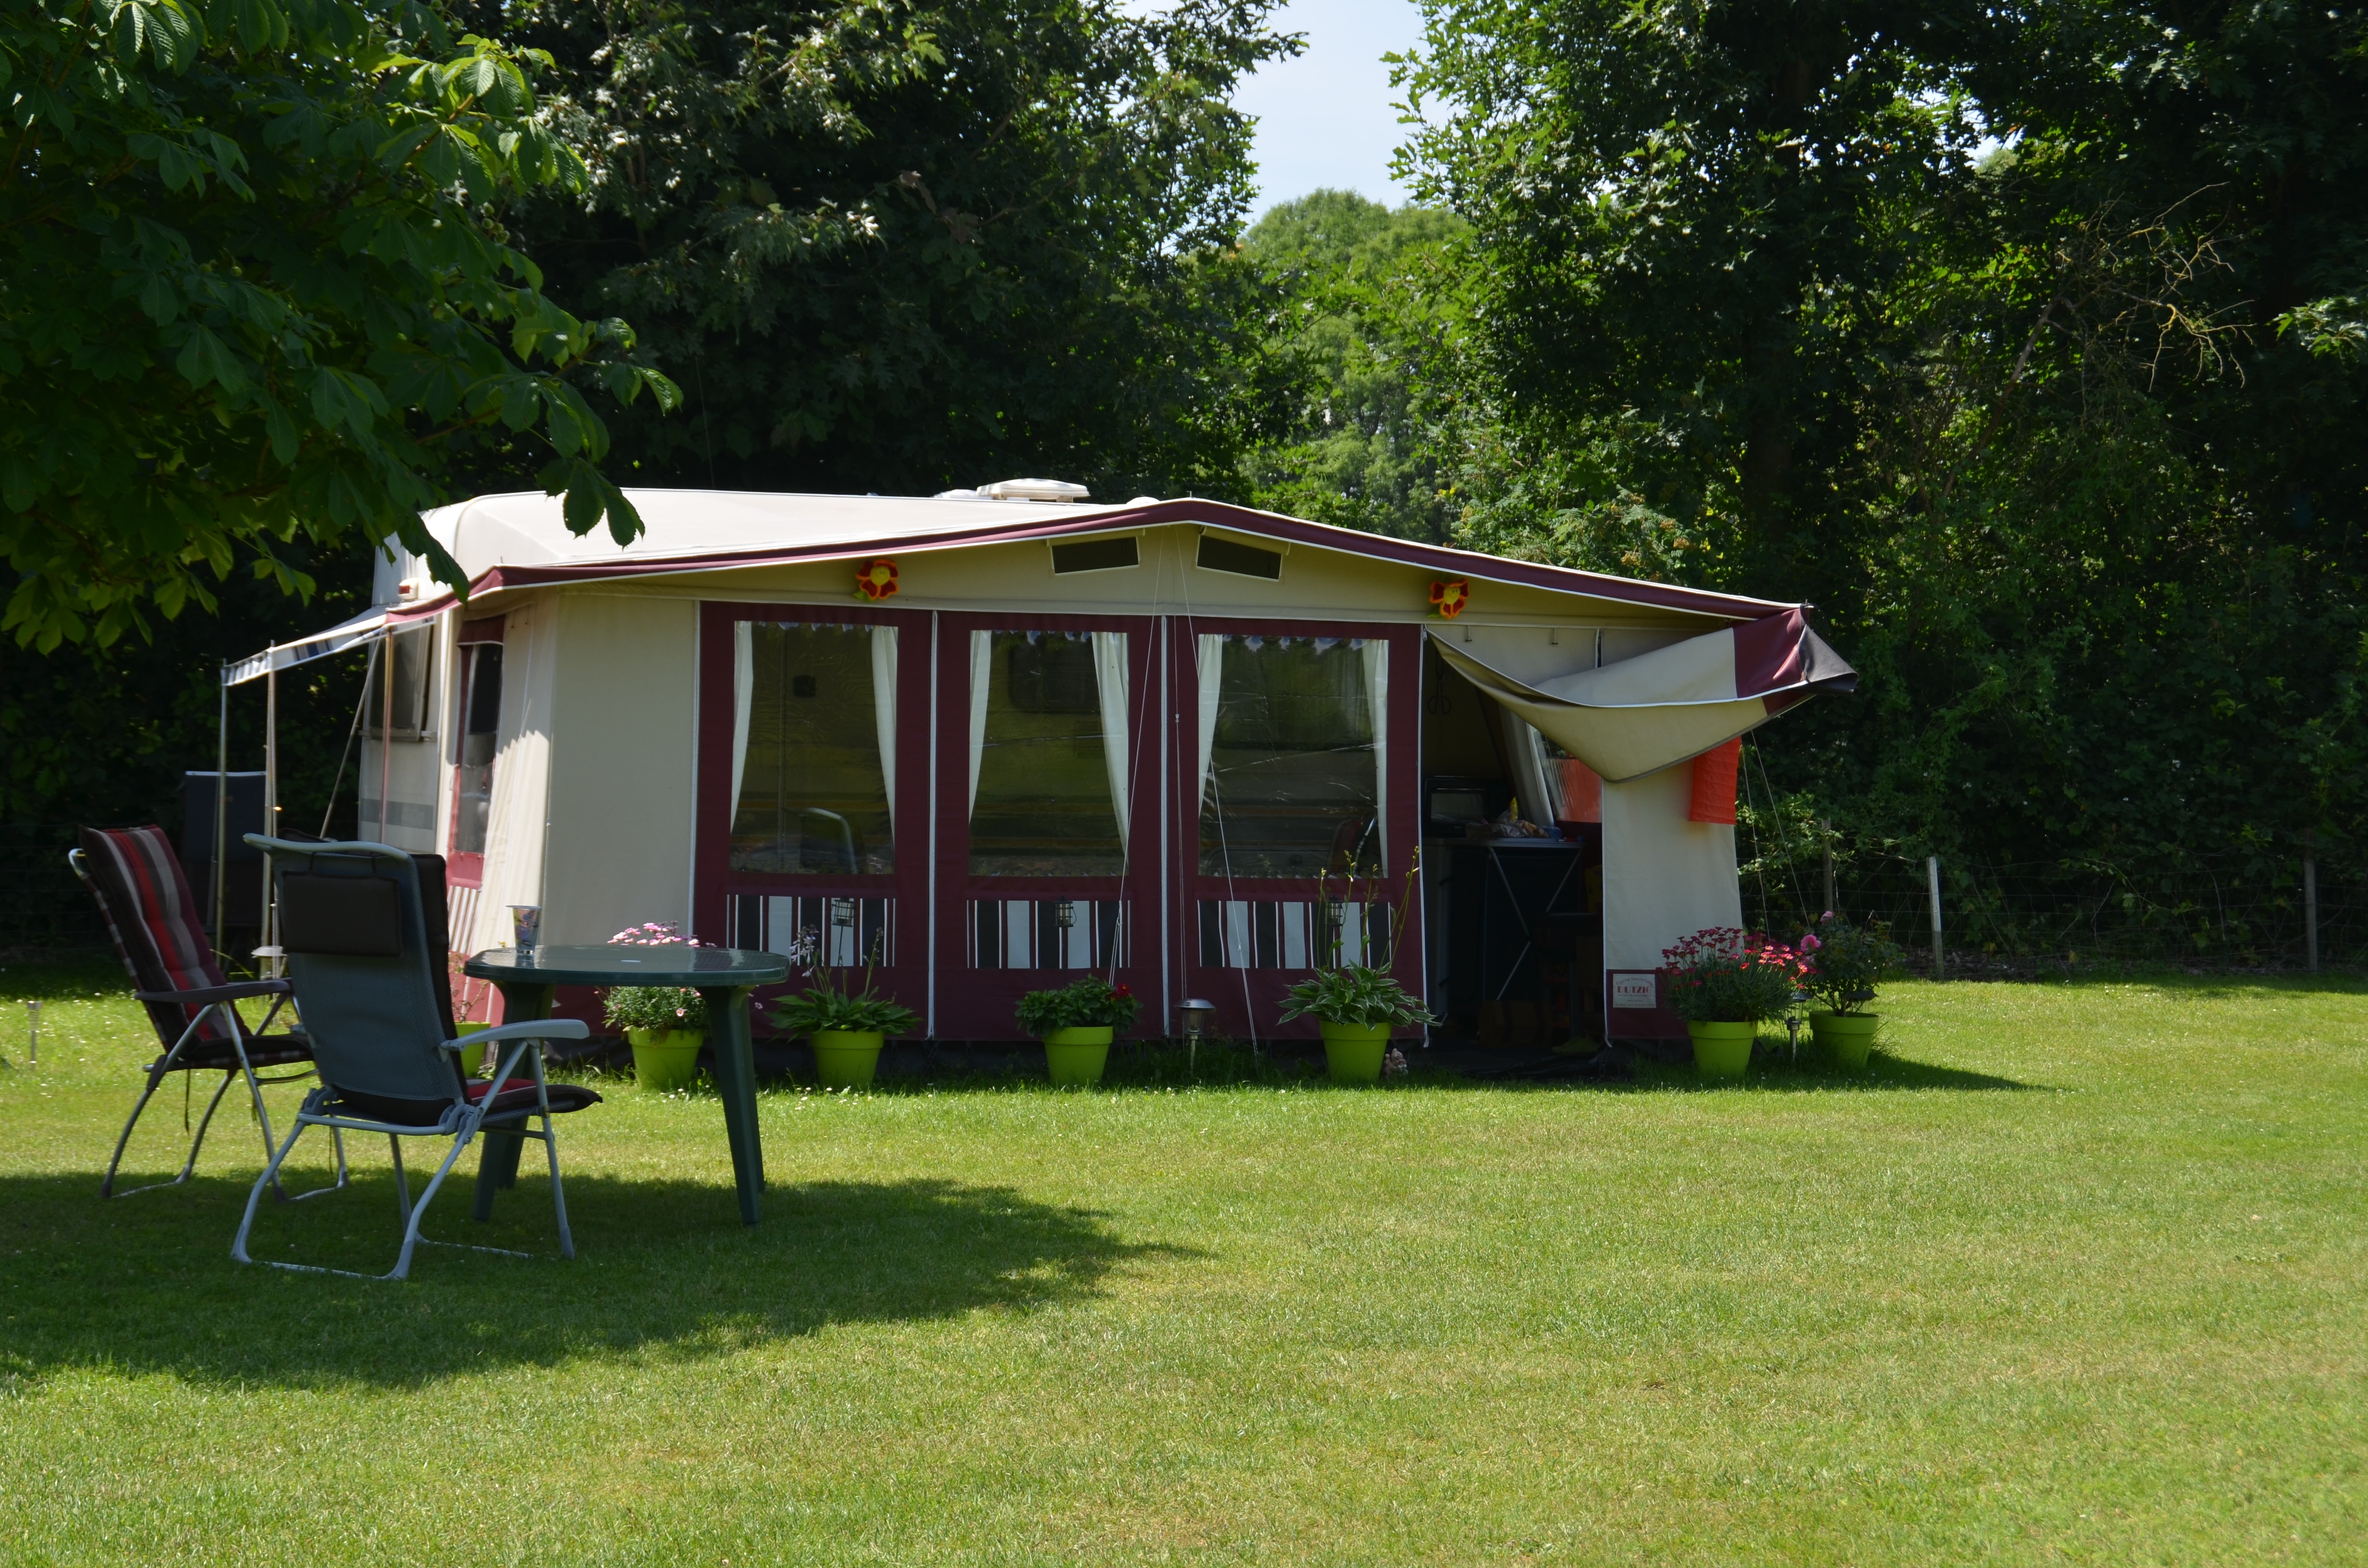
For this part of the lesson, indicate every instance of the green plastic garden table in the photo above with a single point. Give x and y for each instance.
(724, 976)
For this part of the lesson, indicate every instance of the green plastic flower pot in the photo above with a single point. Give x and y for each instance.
(1847, 1037)
(846, 1059)
(1078, 1055)
(1353, 1052)
(1721, 1051)
(473, 1061)
(666, 1058)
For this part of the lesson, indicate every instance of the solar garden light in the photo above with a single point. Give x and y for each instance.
(33, 1021)
(1196, 1015)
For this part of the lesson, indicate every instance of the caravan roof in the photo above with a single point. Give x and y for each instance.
(522, 539)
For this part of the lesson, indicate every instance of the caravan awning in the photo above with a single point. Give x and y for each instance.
(346, 634)
(1643, 714)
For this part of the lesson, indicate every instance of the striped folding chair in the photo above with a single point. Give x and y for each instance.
(137, 879)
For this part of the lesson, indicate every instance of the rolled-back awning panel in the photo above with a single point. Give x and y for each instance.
(1644, 714)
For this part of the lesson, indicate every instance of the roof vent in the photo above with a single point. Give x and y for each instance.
(1035, 490)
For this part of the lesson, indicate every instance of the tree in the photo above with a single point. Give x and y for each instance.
(889, 247)
(1369, 335)
(253, 287)
(2015, 338)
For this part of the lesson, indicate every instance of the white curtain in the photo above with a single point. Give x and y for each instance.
(1212, 663)
(1110, 680)
(1535, 795)
(744, 694)
(1377, 699)
(884, 713)
(982, 671)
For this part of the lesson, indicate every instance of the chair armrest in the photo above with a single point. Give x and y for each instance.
(533, 1028)
(238, 991)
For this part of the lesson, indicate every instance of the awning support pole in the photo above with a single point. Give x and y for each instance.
(385, 734)
(222, 817)
(270, 812)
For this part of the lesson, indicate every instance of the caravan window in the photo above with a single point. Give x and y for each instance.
(411, 662)
(479, 726)
(1048, 740)
(1291, 733)
(815, 725)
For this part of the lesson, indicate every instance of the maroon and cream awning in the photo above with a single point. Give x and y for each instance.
(1640, 715)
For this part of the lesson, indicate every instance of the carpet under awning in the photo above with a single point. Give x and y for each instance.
(1643, 714)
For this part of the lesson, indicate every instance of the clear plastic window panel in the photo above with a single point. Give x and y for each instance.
(480, 727)
(1045, 724)
(848, 932)
(1048, 933)
(820, 717)
(1248, 933)
(1290, 765)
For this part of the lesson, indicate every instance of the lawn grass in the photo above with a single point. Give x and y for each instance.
(2078, 1273)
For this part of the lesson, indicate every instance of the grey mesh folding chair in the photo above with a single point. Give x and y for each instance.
(145, 896)
(356, 934)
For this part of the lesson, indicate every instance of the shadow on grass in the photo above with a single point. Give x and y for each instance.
(663, 1268)
(1883, 1071)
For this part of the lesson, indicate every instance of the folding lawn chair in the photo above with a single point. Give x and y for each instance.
(356, 932)
(137, 879)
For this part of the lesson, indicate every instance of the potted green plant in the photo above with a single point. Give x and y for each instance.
(1077, 1023)
(1722, 982)
(846, 1027)
(1846, 962)
(665, 1025)
(1356, 1007)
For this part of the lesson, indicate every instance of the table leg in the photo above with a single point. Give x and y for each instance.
(498, 1156)
(735, 1077)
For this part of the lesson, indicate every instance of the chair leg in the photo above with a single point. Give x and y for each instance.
(207, 1120)
(558, 1197)
(253, 1092)
(402, 1181)
(106, 1188)
(270, 1174)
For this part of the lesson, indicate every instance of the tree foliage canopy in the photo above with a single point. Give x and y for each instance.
(2018, 338)
(253, 286)
(891, 246)
(1367, 343)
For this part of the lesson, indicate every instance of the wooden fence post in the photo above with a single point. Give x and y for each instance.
(2310, 898)
(1932, 876)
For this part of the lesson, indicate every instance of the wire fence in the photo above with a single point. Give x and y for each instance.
(2009, 918)
(2020, 917)
(43, 908)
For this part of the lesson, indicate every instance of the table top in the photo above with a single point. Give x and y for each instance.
(623, 964)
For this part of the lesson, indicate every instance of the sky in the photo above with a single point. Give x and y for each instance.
(1325, 119)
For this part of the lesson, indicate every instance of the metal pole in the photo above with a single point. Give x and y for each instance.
(222, 814)
(271, 803)
(1826, 837)
(385, 732)
(1932, 875)
(2310, 898)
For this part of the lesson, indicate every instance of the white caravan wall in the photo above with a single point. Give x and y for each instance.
(623, 765)
(1664, 877)
(516, 833)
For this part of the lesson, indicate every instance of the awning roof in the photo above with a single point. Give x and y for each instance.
(1640, 715)
(338, 639)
